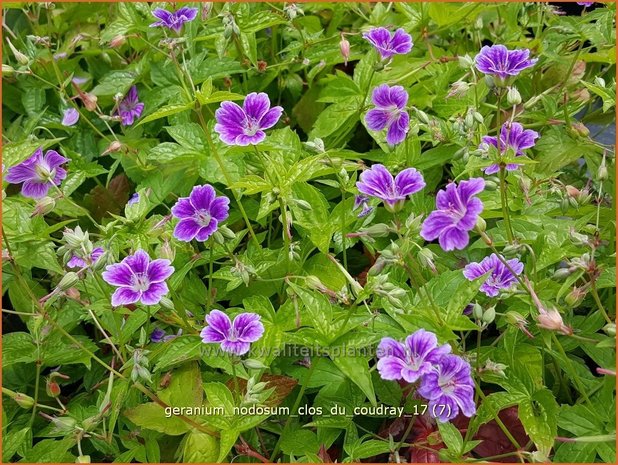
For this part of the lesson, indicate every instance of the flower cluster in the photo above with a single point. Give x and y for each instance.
(445, 379)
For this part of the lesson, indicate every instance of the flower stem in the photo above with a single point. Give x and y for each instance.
(226, 174)
(504, 202)
(299, 397)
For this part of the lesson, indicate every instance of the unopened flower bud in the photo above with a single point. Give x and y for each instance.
(83, 459)
(20, 57)
(68, 280)
(599, 81)
(458, 89)
(477, 311)
(43, 206)
(426, 257)
(344, 46)
(64, 424)
(23, 400)
(117, 41)
(303, 204)
(602, 173)
(580, 129)
(610, 329)
(7, 70)
(561, 273)
(513, 97)
(489, 315)
(552, 321)
(166, 302)
(52, 388)
(253, 364)
(481, 225)
(575, 297)
(377, 230)
(422, 116)
(490, 185)
(466, 61)
(89, 101)
(577, 238)
(167, 251)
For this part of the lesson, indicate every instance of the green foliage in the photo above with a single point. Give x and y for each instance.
(86, 381)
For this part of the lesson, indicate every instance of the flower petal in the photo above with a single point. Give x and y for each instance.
(154, 293)
(248, 327)
(124, 296)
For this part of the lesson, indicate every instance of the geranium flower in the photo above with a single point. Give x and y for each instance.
(412, 360)
(497, 60)
(138, 279)
(456, 214)
(79, 262)
(199, 214)
(70, 117)
(235, 337)
(38, 173)
(246, 125)
(133, 199)
(449, 389)
(389, 113)
(379, 182)
(513, 137)
(174, 20)
(387, 44)
(159, 335)
(130, 108)
(362, 202)
(500, 277)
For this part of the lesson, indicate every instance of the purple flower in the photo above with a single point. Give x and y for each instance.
(245, 126)
(586, 4)
(497, 60)
(138, 279)
(456, 214)
(500, 277)
(379, 182)
(38, 173)
(134, 199)
(235, 337)
(78, 262)
(130, 108)
(70, 117)
(158, 335)
(362, 201)
(387, 44)
(513, 137)
(389, 113)
(174, 20)
(468, 309)
(449, 389)
(199, 214)
(412, 360)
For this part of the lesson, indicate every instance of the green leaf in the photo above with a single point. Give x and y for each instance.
(152, 416)
(357, 370)
(299, 442)
(200, 448)
(451, 437)
(538, 414)
(167, 110)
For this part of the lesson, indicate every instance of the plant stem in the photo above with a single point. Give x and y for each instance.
(595, 296)
(226, 174)
(299, 397)
(504, 202)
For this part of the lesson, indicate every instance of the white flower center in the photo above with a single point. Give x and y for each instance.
(203, 217)
(252, 127)
(140, 282)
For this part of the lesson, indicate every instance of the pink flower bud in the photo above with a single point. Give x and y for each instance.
(117, 41)
(552, 320)
(344, 46)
